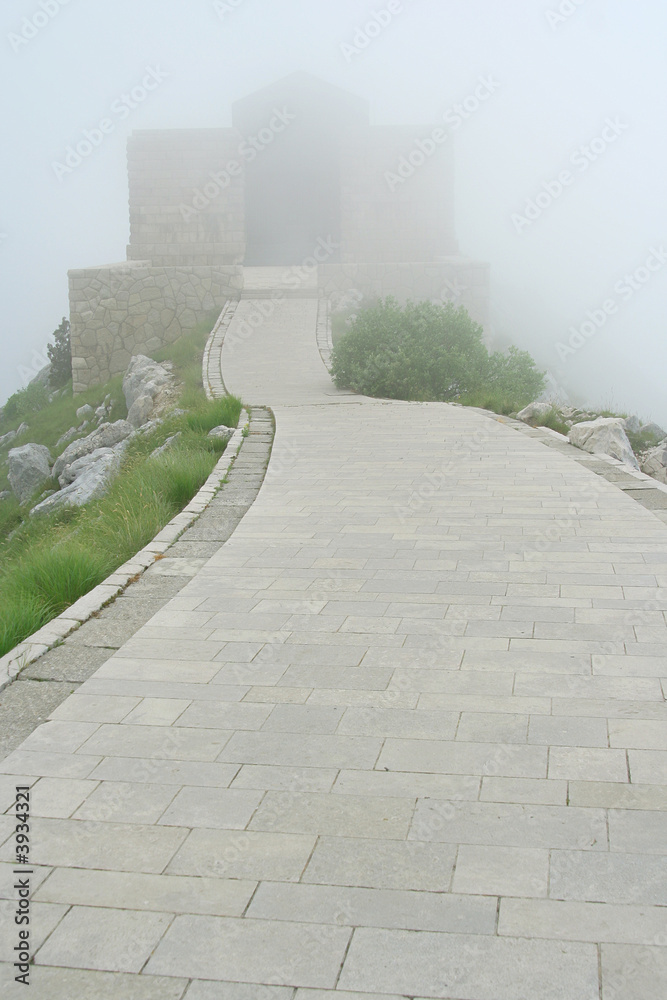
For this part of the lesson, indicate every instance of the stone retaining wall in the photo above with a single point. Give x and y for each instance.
(136, 308)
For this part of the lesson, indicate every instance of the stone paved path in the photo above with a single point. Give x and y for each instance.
(402, 736)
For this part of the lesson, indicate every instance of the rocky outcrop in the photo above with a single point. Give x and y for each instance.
(84, 412)
(8, 438)
(144, 383)
(654, 462)
(534, 412)
(169, 443)
(29, 467)
(655, 431)
(92, 476)
(105, 436)
(606, 436)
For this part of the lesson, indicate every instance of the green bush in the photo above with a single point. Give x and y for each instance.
(32, 399)
(429, 352)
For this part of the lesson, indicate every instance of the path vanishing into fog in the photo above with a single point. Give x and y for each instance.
(404, 735)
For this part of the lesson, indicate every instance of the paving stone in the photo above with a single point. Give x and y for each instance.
(244, 855)
(63, 984)
(201, 990)
(503, 871)
(341, 816)
(295, 749)
(166, 742)
(251, 951)
(443, 757)
(157, 893)
(629, 972)
(378, 864)
(220, 808)
(105, 939)
(594, 922)
(292, 779)
(45, 917)
(637, 832)
(608, 878)
(469, 967)
(614, 795)
(166, 772)
(374, 908)
(528, 790)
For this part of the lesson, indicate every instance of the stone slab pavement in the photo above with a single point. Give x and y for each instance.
(403, 735)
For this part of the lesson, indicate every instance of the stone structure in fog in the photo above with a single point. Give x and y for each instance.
(301, 178)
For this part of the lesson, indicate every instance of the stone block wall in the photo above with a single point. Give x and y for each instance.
(186, 197)
(397, 201)
(456, 279)
(136, 308)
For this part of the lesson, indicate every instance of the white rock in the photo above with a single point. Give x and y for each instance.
(140, 411)
(166, 446)
(81, 465)
(105, 436)
(7, 438)
(655, 430)
(92, 482)
(632, 425)
(22, 429)
(84, 411)
(144, 377)
(606, 436)
(221, 433)
(29, 467)
(535, 411)
(654, 463)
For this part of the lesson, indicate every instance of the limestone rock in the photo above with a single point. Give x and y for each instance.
(105, 436)
(91, 483)
(654, 462)
(166, 446)
(655, 430)
(221, 433)
(606, 436)
(5, 494)
(7, 438)
(81, 465)
(29, 467)
(140, 411)
(144, 377)
(632, 425)
(535, 412)
(22, 429)
(84, 411)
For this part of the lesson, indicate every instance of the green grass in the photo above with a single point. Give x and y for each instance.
(496, 402)
(554, 420)
(50, 561)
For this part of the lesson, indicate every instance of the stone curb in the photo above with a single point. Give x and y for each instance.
(324, 332)
(212, 380)
(13, 662)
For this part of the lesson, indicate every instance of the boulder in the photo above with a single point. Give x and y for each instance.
(140, 411)
(42, 376)
(29, 467)
(7, 438)
(606, 436)
(92, 482)
(22, 429)
(655, 430)
(5, 494)
(166, 446)
(84, 412)
(632, 425)
(221, 433)
(144, 377)
(105, 436)
(654, 462)
(81, 465)
(535, 412)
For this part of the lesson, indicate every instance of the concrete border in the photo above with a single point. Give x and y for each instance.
(52, 634)
(212, 379)
(324, 331)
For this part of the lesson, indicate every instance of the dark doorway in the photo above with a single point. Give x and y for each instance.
(292, 184)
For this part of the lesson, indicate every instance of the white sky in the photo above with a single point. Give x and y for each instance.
(558, 84)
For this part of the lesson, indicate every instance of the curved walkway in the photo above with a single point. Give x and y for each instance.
(402, 736)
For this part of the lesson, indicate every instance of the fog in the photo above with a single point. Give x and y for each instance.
(560, 168)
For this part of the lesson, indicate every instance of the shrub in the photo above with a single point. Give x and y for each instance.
(60, 356)
(32, 399)
(430, 352)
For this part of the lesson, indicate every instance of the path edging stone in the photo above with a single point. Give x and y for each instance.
(50, 635)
